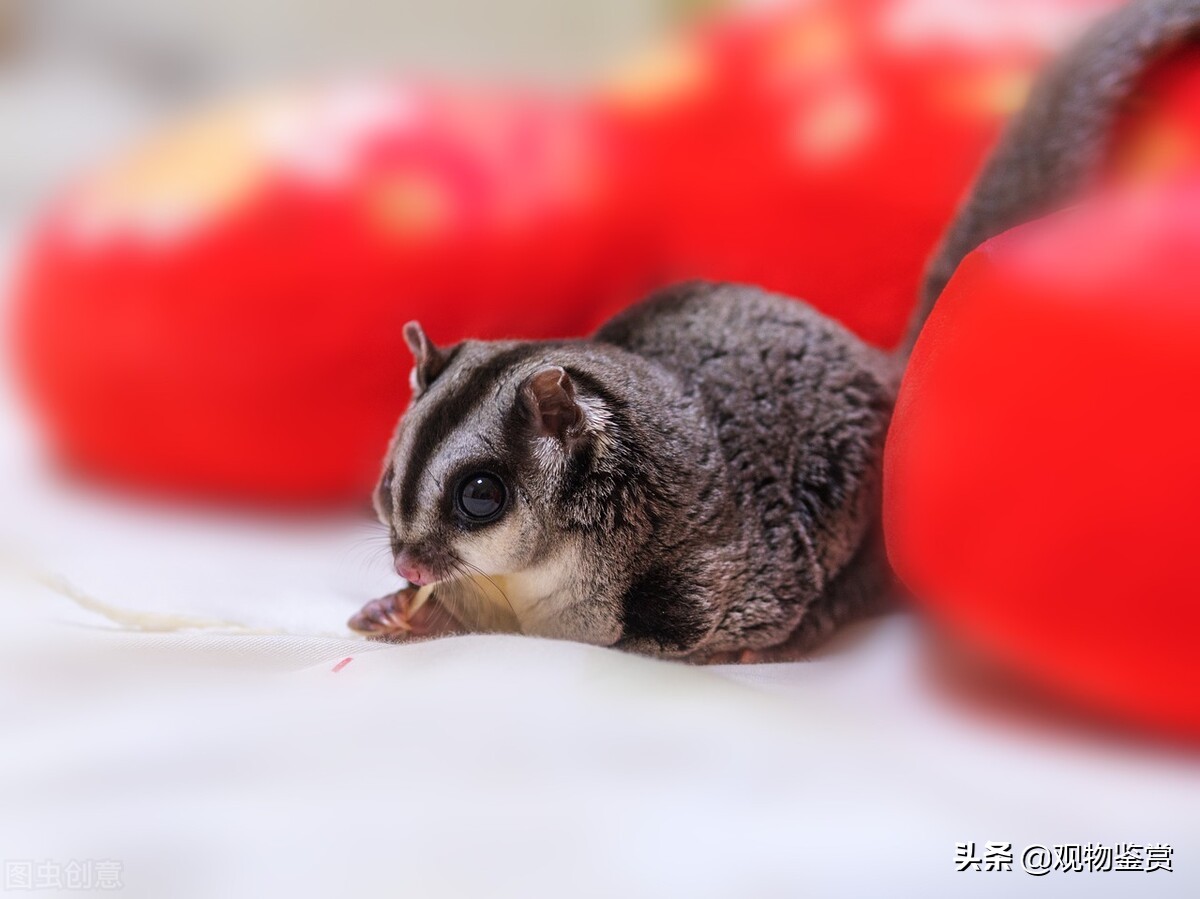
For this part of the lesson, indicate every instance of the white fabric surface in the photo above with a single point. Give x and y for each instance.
(232, 760)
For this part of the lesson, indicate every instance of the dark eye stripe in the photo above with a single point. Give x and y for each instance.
(452, 409)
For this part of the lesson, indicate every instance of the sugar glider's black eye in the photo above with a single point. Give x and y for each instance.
(481, 496)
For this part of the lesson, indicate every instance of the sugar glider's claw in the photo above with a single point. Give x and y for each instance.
(386, 617)
(411, 612)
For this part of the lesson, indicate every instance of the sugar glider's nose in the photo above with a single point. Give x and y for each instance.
(412, 571)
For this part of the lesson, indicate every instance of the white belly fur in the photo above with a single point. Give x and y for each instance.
(526, 602)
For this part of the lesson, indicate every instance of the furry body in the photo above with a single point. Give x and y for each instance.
(718, 491)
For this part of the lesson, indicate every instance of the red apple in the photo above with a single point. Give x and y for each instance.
(1158, 132)
(1041, 479)
(220, 310)
(820, 149)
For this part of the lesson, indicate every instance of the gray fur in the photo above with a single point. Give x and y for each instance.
(1053, 148)
(794, 410)
(722, 497)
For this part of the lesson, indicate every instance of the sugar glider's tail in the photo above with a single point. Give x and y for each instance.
(1052, 148)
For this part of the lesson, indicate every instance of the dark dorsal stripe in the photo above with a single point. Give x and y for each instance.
(451, 410)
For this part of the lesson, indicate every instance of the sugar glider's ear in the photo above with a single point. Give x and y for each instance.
(549, 395)
(428, 360)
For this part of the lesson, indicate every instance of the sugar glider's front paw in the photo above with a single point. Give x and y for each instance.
(406, 614)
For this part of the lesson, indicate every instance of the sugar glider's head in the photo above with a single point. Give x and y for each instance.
(482, 460)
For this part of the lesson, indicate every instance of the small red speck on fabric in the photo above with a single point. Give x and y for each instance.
(342, 664)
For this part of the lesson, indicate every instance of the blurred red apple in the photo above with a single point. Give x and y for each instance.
(819, 149)
(1158, 132)
(1041, 482)
(220, 310)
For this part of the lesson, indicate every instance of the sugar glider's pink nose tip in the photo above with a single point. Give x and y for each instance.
(415, 574)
